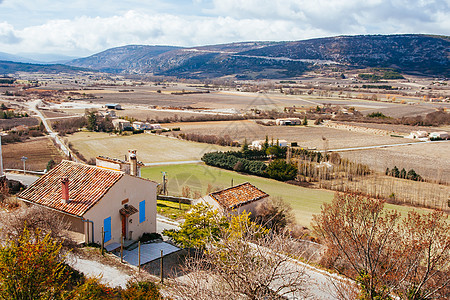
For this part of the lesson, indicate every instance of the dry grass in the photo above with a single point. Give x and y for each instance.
(150, 148)
(307, 137)
(38, 150)
(430, 160)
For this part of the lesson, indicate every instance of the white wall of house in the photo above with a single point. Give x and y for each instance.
(135, 190)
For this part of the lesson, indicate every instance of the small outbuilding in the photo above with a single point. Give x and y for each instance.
(236, 199)
(115, 106)
(288, 121)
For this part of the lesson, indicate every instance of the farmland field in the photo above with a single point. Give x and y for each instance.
(307, 137)
(305, 202)
(150, 148)
(147, 95)
(38, 151)
(430, 160)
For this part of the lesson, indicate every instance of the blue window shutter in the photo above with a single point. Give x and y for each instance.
(107, 229)
(142, 211)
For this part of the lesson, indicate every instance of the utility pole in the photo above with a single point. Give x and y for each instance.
(24, 159)
(164, 183)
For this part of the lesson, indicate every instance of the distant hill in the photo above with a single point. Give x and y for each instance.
(128, 59)
(408, 53)
(419, 54)
(15, 58)
(9, 67)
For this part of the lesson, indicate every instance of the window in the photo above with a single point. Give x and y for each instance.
(142, 211)
(107, 229)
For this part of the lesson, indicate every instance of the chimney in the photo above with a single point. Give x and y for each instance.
(133, 162)
(65, 190)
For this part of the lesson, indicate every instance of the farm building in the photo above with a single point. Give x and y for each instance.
(129, 166)
(156, 126)
(142, 126)
(258, 145)
(288, 121)
(120, 124)
(439, 135)
(236, 199)
(418, 134)
(115, 106)
(95, 199)
(108, 113)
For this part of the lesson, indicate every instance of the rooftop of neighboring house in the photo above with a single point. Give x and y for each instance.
(87, 185)
(238, 195)
(117, 161)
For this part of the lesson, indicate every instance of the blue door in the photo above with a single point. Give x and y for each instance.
(107, 229)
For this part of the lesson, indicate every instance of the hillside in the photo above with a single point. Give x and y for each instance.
(9, 67)
(408, 53)
(129, 59)
(418, 54)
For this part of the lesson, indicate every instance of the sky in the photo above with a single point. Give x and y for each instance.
(85, 27)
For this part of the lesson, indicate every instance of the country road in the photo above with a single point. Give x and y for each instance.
(33, 107)
(381, 146)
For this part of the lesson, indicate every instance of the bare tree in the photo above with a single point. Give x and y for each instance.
(246, 263)
(387, 256)
(39, 221)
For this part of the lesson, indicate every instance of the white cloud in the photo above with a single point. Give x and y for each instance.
(7, 34)
(84, 31)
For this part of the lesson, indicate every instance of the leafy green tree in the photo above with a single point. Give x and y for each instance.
(201, 225)
(280, 170)
(31, 268)
(403, 173)
(91, 121)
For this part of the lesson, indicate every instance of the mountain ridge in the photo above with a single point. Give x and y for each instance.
(409, 53)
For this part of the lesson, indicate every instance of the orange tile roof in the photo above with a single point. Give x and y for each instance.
(87, 185)
(238, 195)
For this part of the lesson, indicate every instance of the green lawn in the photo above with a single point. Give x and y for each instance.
(305, 202)
(172, 209)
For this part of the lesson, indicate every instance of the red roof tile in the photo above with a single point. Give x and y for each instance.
(238, 195)
(87, 185)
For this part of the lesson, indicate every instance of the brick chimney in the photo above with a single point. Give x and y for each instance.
(65, 190)
(133, 162)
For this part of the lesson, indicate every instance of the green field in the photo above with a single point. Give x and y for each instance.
(150, 148)
(305, 202)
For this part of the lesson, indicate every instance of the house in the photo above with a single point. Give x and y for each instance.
(439, 135)
(142, 126)
(115, 106)
(288, 121)
(258, 145)
(156, 126)
(97, 200)
(236, 199)
(129, 166)
(121, 124)
(420, 134)
(108, 113)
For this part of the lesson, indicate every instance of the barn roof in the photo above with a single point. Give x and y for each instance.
(87, 185)
(238, 195)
